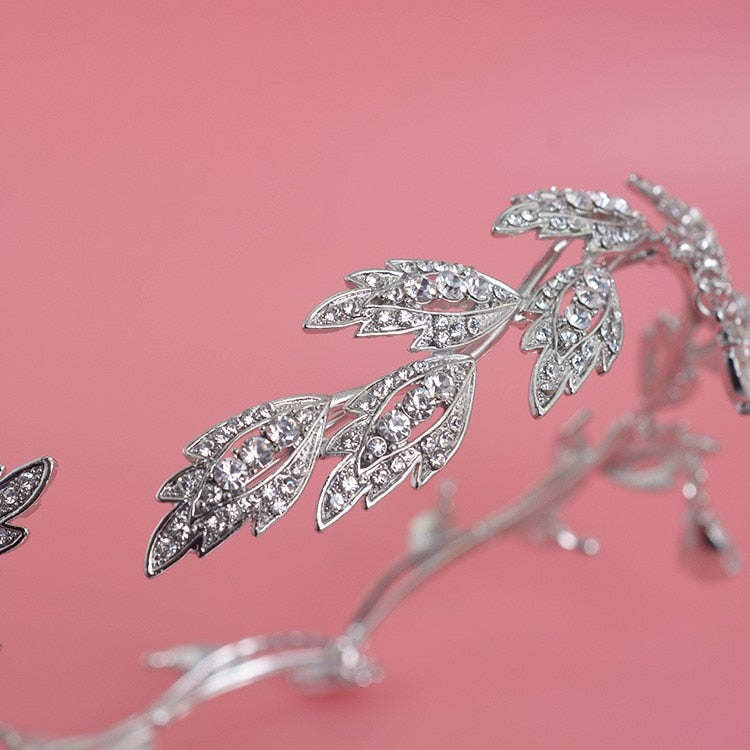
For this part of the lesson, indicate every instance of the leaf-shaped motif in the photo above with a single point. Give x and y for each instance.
(19, 490)
(380, 447)
(249, 468)
(447, 305)
(578, 329)
(605, 222)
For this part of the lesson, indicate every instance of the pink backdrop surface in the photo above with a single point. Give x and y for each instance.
(180, 183)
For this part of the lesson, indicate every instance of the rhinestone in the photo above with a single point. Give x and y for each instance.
(442, 339)
(450, 285)
(578, 316)
(288, 486)
(268, 493)
(621, 205)
(568, 336)
(589, 297)
(473, 326)
(210, 494)
(349, 484)
(600, 200)
(557, 222)
(437, 460)
(257, 452)
(577, 199)
(381, 477)
(398, 465)
(278, 506)
(550, 374)
(479, 288)
(515, 220)
(543, 334)
(457, 332)
(528, 215)
(394, 294)
(440, 386)
(230, 474)
(377, 447)
(394, 426)
(418, 404)
(420, 289)
(598, 279)
(336, 501)
(283, 431)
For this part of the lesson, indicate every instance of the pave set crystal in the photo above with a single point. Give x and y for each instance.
(447, 305)
(410, 422)
(605, 221)
(18, 492)
(578, 328)
(383, 444)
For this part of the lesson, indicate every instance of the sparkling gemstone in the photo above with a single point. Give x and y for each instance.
(578, 316)
(288, 486)
(268, 493)
(278, 506)
(528, 215)
(418, 404)
(230, 474)
(568, 336)
(282, 431)
(479, 288)
(589, 297)
(457, 331)
(420, 289)
(473, 326)
(381, 477)
(440, 386)
(550, 374)
(621, 205)
(558, 222)
(598, 279)
(450, 285)
(210, 494)
(442, 338)
(515, 220)
(394, 426)
(398, 465)
(600, 200)
(257, 452)
(577, 199)
(336, 501)
(349, 484)
(376, 447)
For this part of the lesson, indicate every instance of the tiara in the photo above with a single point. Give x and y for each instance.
(253, 467)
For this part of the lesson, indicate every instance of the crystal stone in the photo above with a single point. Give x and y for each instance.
(478, 287)
(420, 289)
(450, 285)
(577, 199)
(440, 386)
(589, 297)
(257, 452)
(283, 431)
(394, 426)
(598, 279)
(418, 404)
(230, 474)
(376, 447)
(578, 316)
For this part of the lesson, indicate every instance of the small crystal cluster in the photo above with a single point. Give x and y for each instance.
(606, 222)
(412, 296)
(18, 489)
(380, 446)
(585, 333)
(258, 478)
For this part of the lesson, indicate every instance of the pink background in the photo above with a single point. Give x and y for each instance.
(180, 183)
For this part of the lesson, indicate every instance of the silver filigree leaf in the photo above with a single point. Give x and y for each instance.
(604, 222)
(382, 445)
(578, 329)
(446, 305)
(250, 469)
(19, 490)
